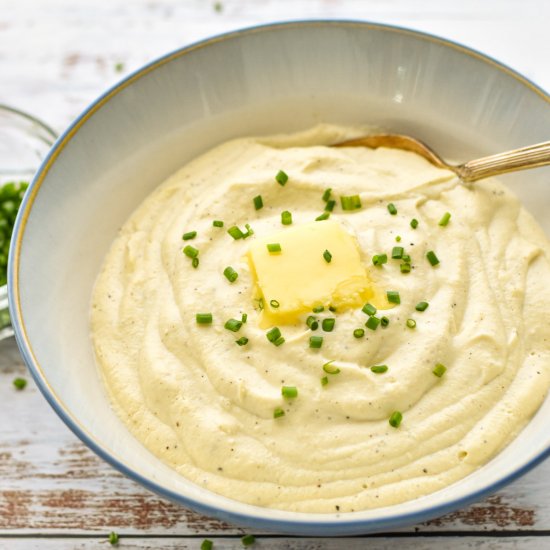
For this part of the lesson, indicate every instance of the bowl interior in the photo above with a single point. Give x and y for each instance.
(264, 80)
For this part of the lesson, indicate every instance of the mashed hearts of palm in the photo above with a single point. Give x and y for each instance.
(281, 408)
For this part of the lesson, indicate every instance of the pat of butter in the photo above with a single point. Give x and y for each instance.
(298, 278)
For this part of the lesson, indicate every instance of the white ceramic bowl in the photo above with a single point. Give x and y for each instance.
(276, 78)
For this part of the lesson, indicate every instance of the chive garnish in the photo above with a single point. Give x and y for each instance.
(195, 262)
(350, 202)
(207, 544)
(369, 309)
(327, 256)
(432, 258)
(324, 380)
(19, 383)
(421, 306)
(244, 317)
(289, 392)
(405, 268)
(332, 308)
(281, 177)
(190, 251)
(235, 232)
(258, 202)
(414, 223)
(273, 248)
(372, 322)
(273, 334)
(379, 369)
(248, 540)
(230, 274)
(397, 252)
(323, 216)
(445, 219)
(113, 538)
(278, 412)
(406, 258)
(242, 341)
(318, 309)
(217, 223)
(233, 325)
(380, 259)
(398, 239)
(384, 321)
(326, 194)
(274, 304)
(329, 368)
(393, 297)
(189, 235)
(249, 231)
(204, 318)
(312, 323)
(395, 419)
(286, 218)
(329, 207)
(279, 341)
(391, 209)
(411, 323)
(439, 370)
(358, 333)
(328, 324)
(315, 342)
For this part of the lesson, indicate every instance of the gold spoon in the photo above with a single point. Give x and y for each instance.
(510, 161)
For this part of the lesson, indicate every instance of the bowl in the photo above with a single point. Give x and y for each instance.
(262, 80)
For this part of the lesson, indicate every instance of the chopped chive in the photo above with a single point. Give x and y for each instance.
(332, 308)
(19, 383)
(273, 248)
(230, 274)
(248, 540)
(395, 419)
(189, 235)
(273, 334)
(195, 262)
(190, 251)
(369, 309)
(406, 258)
(328, 324)
(326, 194)
(327, 256)
(405, 268)
(312, 323)
(207, 544)
(414, 223)
(379, 369)
(323, 216)
(380, 259)
(235, 232)
(242, 341)
(244, 317)
(278, 412)
(329, 368)
(204, 318)
(286, 218)
(329, 207)
(315, 342)
(274, 304)
(393, 297)
(391, 209)
(372, 322)
(384, 321)
(398, 239)
(432, 258)
(289, 392)
(421, 306)
(113, 538)
(439, 370)
(358, 333)
(279, 341)
(233, 325)
(281, 177)
(258, 202)
(318, 309)
(411, 323)
(351, 202)
(260, 304)
(397, 252)
(324, 381)
(217, 223)
(249, 231)
(445, 219)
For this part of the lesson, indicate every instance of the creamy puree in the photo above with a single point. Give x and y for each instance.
(205, 405)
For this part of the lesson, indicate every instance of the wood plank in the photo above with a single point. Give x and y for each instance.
(52, 483)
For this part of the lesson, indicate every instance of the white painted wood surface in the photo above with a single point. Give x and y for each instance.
(55, 57)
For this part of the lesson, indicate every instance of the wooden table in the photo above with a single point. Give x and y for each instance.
(55, 57)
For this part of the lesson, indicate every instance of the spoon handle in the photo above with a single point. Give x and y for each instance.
(511, 161)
